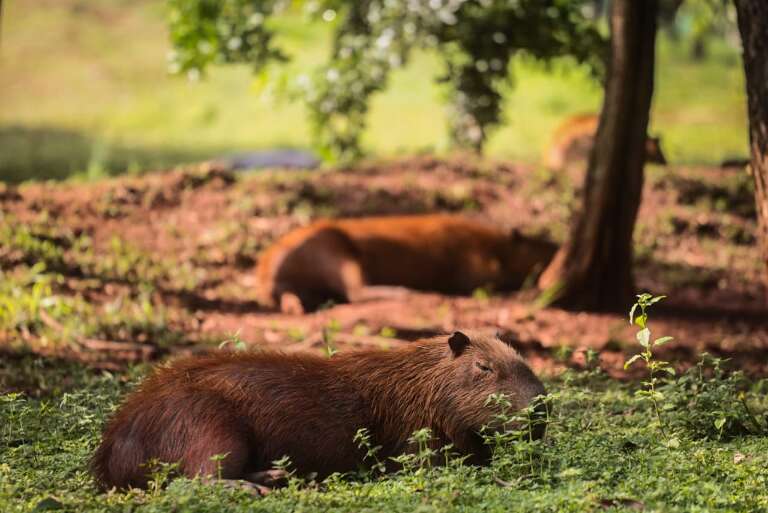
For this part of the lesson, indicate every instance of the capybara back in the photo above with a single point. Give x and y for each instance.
(335, 260)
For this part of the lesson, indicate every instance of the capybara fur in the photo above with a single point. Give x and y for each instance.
(257, 407)
(573, 140)
(337, 260)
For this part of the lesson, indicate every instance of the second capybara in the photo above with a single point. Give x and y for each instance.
(252, 408)
(574, 137)
(339, 260)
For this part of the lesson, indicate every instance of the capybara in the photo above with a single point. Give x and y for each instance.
(574, 137)
(257, 407)
(340, 260)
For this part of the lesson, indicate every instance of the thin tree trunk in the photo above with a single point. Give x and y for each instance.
(593, 270)
(753, 26)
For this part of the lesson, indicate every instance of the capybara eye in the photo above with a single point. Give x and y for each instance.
(483, 368)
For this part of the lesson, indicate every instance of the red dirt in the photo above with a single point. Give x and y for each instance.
(214, 224)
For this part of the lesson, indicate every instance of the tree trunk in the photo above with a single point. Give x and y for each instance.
(753, 26)
(593, 270)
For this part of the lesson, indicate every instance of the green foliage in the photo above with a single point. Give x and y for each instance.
(699, 21)
(707, 402)
(654, 366)
(475, 40)
(35, 242)
(27, 295)
(601, 448)
(161, 120)
(45, 270)
(32, 310)
(214, 31)
(516, 452)
(363, 441)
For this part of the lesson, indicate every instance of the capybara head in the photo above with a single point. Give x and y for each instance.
(485, 365)
(653, 152)
(525, 256)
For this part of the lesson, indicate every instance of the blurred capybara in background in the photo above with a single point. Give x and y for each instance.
(257, 407)
(340, 260)
(573, 140)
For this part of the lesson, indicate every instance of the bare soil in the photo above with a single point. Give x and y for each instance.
(695, 242)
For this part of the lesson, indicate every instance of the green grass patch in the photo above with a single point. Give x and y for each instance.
(48, 276)
(603, 451)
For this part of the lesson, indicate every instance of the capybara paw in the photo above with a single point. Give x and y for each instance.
(272, 478)
(291, 304)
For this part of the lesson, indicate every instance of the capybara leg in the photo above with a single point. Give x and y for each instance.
(271, 478)
(218, 448)
(323, 267)
(291, 304)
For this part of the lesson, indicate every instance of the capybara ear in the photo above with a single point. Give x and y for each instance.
(458, 342)
(509, 337)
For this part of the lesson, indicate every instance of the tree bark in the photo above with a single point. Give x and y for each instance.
(593, 270)
(753, 26)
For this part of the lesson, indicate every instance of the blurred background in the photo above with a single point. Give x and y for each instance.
(85, 91)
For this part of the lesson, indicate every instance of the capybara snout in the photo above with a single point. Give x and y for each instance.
(257, 407)
(502, 387)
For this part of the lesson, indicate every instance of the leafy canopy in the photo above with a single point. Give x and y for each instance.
(475, 40)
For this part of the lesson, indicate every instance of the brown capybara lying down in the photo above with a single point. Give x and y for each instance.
(257, 407)
(338, 260)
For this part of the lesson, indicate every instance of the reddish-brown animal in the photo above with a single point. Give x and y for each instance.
(574, 138)
(258, 407)
(340, 260)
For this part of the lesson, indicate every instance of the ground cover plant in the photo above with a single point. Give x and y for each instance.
(603, 452)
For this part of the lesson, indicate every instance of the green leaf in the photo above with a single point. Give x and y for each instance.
(644, 337)
(669, 370)
(662, 340)
(631, 361)
(719, 423)
(641, 319)
(632, 313)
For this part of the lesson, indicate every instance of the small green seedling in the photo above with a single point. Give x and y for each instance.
(363, 441)
(329, 336)
(654, 366)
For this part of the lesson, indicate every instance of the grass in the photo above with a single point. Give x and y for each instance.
(47, 274)
(92, 97)
(602, 453)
